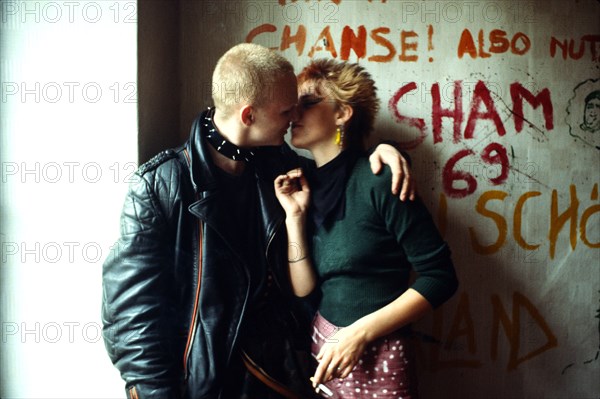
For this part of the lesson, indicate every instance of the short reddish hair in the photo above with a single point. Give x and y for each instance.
(349, 84)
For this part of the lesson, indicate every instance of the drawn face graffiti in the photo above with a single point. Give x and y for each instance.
(583, 113)
(591, 115)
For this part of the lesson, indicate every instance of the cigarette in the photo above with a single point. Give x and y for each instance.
(323, 388)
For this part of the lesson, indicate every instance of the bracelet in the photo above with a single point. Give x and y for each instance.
(297, 260)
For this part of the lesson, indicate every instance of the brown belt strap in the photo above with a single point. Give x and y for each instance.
(266, 379)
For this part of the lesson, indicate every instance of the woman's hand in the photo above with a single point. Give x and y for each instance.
(293, 193)
(340, 353)
(343, 349)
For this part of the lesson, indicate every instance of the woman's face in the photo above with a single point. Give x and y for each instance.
(316, 121)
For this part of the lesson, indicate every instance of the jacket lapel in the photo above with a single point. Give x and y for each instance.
(208, 207)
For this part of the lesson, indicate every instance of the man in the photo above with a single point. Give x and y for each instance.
(196, 300)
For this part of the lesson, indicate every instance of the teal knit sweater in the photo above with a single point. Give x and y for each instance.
(364, 260)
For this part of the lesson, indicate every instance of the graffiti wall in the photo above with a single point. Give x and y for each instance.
(498, 104)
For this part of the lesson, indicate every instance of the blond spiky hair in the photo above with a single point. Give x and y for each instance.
(247, 74)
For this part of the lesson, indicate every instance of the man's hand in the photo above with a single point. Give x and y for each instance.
(401, 176)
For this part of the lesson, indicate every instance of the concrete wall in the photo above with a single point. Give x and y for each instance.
(488, 97)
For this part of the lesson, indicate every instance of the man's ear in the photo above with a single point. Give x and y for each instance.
(247, 115)
(343, 114)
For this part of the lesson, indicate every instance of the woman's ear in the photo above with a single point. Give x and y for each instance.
(343, 114)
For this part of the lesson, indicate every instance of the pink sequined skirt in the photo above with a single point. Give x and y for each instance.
(385, 370)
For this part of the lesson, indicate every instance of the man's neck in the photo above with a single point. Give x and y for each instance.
(228, 165)
(225, 126)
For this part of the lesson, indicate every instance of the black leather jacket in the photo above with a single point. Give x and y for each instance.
(171, 323)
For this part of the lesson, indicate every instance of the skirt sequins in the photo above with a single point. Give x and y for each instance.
(386, 369)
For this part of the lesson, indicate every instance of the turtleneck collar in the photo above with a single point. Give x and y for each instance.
(327, 185)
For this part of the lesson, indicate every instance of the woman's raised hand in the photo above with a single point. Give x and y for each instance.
(293, 193)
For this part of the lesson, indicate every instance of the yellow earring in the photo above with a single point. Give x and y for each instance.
(339, 136)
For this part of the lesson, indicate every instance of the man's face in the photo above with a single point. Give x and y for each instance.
(591, 115)
(272, 119)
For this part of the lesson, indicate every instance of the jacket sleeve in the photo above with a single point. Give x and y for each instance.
(133, 305)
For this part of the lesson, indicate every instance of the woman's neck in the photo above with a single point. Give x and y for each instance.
(324, 153)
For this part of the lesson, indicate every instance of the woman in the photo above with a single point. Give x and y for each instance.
(356, 243)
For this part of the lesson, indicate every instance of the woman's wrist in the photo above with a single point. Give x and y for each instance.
(295, 220)
(297, 251)
(297, 259)
(363, 328)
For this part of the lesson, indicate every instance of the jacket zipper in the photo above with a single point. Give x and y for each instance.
(133, 393)
(192, 330)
